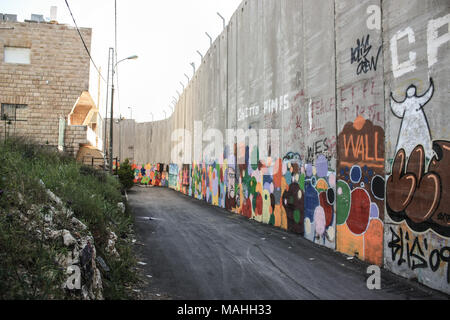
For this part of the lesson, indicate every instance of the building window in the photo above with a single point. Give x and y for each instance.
(9, 111)
(17, 55)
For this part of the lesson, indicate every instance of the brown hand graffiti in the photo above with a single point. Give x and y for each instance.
(414, 193)
(440, 164)
(401, 185)
(428, 193)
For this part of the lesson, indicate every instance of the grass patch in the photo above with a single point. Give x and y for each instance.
(27, 267)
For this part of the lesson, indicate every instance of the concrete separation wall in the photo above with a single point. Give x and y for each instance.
(348, 101)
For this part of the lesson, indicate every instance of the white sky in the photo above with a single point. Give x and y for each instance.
(165, 34)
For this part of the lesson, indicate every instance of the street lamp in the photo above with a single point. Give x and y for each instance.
(112, 114)
(193, 66)
(182, 85)
(187, 77)
(131, 112)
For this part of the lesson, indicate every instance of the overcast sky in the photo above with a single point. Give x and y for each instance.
(165, 34)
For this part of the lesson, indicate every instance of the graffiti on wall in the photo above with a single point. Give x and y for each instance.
(414, 129)
(360, 99)
(360, 190)
(418, 252)
(362, 56)
(148, 174)
(173, 175)
(284, 192)
(318, 183)
(417, 193)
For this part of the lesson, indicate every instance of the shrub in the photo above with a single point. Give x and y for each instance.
(126, 175)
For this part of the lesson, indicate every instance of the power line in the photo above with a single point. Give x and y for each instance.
(84, 43)
(115, 52)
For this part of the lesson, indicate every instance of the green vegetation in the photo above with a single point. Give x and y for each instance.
(28, 267)
(126, 175)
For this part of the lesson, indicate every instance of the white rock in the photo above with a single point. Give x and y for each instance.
(20, 198)
(121, 206)
(48, 217)
(78, 223)
(69, 212)
(68, 238)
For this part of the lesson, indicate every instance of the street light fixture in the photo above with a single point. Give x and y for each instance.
(182, 85)
(133, 57)
(193, 66)
(187, 77)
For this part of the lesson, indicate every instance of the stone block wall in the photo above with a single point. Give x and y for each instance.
(50, 85)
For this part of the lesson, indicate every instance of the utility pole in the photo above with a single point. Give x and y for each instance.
(111, 127)
(110, 67)
(112, 113)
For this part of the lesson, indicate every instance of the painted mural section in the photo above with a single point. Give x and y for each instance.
(153, 175)
(361, 123)
(417, 223)
(352, 97)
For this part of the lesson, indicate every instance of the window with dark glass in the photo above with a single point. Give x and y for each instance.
(9, 111)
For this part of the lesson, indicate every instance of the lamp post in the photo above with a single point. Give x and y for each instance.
(193, 66)
(210, 38)
(112, 114)
(223, 19)
(201, 56)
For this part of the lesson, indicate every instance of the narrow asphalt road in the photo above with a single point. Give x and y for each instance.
(192, 250)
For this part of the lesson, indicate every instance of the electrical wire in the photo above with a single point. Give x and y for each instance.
(84, 43)
(115, 52)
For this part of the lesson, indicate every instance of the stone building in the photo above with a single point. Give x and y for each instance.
(44, 71)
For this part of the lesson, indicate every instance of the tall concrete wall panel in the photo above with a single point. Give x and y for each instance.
(416, 232)
(360, 124)
(348, 101)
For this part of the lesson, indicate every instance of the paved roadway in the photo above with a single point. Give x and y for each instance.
(193, 250)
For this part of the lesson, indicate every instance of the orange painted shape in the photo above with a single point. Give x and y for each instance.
(359, 122)
(373, 242)
(278, 174)
(277, 215)
(349, 243)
